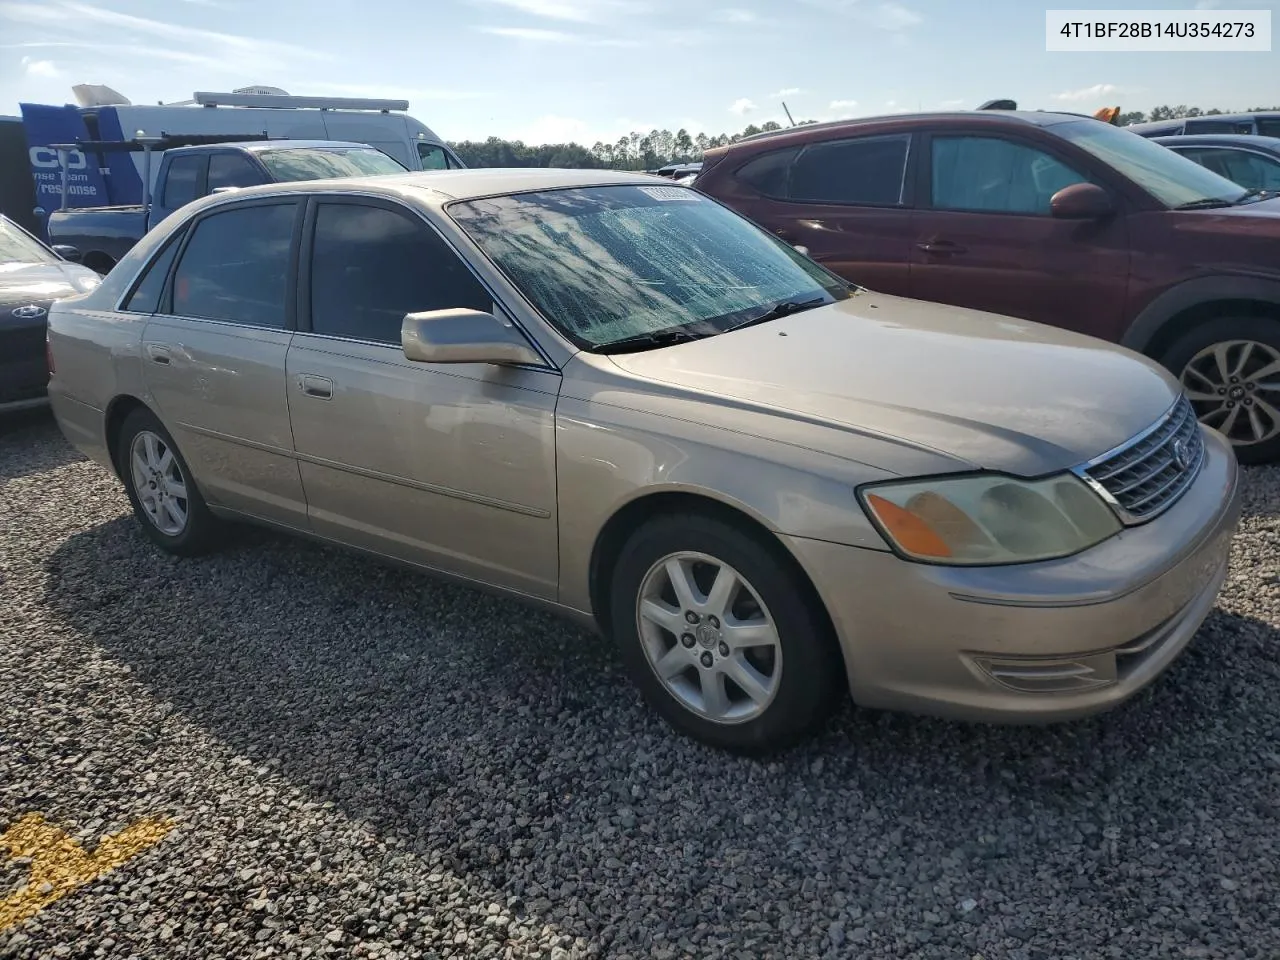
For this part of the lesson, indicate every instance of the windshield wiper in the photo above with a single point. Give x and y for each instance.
(1255, 193)
(1206, 203)
(648, 341)
(782, 308)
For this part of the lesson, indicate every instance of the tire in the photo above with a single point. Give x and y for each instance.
(1249, 346)
(797, 681)
(201, 531)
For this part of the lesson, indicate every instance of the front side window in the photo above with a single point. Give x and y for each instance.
(182, 182)
(604, 264)
(18, 246)
(372, 265)
(236, 266)
(323, 163)
(990, 175)
(1172, 180)
(232, 170)
(432, 156)
(868, 170)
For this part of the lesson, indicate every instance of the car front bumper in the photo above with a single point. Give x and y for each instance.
(1033, 642)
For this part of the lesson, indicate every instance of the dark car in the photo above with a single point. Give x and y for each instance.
(31, 277)
(1265, 124)
(1253, 162)
(1042, 216)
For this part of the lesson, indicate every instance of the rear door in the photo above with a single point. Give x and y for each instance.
(214, 356)
(985, 237)
(447, 465)
(846, 201)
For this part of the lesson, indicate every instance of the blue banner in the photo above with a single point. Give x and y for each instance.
(44, 126)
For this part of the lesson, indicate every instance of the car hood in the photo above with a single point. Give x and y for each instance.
(981, 389)
(32, 282)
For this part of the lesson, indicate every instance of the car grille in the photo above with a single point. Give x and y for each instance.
(1147, 475)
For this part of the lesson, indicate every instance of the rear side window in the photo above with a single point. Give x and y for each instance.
(990, 175)
(233, 170)
(146, 295)
(769, 172)
(236, 266)
(869, 170)
(1219, 126)
(1269, 126)
(182, 183)
(372, 265)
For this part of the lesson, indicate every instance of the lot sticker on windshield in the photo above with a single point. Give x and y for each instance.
(670, 193)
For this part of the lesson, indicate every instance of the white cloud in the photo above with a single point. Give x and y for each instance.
(886, 15)
(787, 92)
(577, 11)
(539, 35)
(742, 106)
(1095, 92)
(735, 15)
(45, 69)
(842, 104)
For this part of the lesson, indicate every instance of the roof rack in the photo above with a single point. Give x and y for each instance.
(281, 102)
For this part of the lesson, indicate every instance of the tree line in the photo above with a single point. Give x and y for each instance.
(648, 151)
(636, 151)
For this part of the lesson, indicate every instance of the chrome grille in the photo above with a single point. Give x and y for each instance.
(1147, 475)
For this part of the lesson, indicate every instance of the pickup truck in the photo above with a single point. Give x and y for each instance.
(100, 236)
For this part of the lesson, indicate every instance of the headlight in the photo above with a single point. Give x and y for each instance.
(988, 519)
(86, 284)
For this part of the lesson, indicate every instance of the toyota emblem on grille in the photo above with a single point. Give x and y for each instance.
(1181, 453)
(30, 312)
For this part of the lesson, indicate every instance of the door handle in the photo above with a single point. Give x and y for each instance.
(314, 386)
(159, 353)
(940, 247)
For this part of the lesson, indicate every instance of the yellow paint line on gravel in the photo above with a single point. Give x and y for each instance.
(59, 864)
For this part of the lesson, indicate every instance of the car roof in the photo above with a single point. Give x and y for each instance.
(1271, 144)
(442, 186)
(258, 146)
(1039, 118)
(1174, 121)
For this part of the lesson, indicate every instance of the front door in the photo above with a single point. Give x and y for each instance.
(847, 202)
(214, 359)
(985, 238)
(447, 465)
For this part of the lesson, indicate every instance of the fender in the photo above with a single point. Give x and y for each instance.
(1144, 328)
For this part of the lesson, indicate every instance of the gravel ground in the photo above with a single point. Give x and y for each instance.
(361, 762)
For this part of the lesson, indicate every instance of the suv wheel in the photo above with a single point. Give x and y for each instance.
(722, 636)
(161, 489)
(1230, 369)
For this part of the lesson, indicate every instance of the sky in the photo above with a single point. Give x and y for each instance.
(587, 70)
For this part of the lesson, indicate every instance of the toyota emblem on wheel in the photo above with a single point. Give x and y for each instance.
(31, 311)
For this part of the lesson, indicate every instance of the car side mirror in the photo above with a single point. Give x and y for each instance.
(1081, 201)
(463, 336)
(66, 252)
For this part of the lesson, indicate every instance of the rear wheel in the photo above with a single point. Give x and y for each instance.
(164, 496)
(1230, 369)
(723, 636)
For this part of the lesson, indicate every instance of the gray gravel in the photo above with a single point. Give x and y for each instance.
(366, 763)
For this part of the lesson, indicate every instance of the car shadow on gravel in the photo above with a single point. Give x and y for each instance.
(505, 744)
(30, 443)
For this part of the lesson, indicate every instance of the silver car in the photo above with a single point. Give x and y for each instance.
(619, 399)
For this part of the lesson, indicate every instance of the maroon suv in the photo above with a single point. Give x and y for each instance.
(1050, 217)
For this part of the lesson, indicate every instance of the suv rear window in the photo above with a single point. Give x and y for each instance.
(868, 170)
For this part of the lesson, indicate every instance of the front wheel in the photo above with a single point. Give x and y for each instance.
(722, 636)
(1230, 369)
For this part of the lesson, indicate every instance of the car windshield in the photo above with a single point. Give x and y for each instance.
(17, 246)
(307, 164)
(1173, 180)
(606, 264)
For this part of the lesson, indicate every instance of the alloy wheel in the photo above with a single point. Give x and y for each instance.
(1235, 388)
(709, 637)
(158, 482)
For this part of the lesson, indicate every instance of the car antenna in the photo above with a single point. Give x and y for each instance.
(788, 112)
